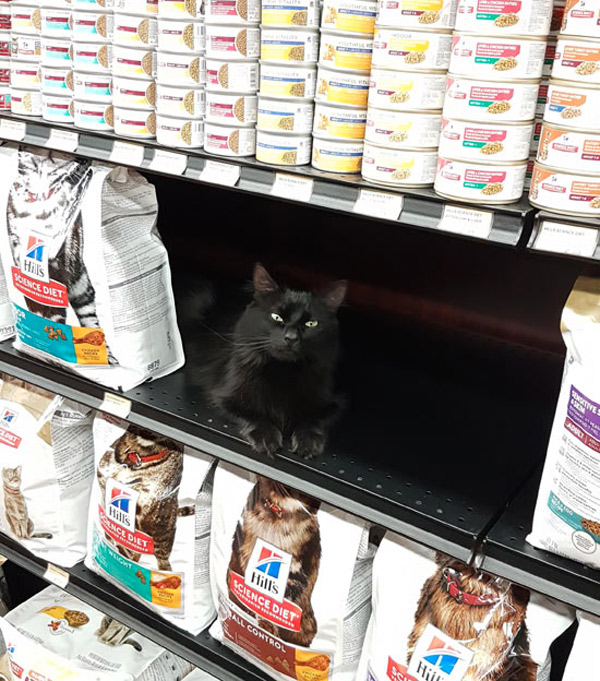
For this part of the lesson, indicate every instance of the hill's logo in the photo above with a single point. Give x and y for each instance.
(34, 262)
(437, 657)
(121, 503)
(8, 417)
(268, 570)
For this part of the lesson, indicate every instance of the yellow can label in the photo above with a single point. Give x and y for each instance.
(276, 15)
(341, 125)
(422, 5)
(339, 92)
(348, 56)
(350, 19)
(282, 50)
(337, 161)
(282, 87)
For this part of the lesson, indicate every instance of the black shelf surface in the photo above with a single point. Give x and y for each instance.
(423, 208)
(506, 553)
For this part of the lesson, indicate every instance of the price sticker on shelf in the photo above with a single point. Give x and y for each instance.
(292, 187)
(63, 140)
(466, 221)
(57, 576)
(560, 237)
(12, 130)
(116, 405)
(169, 162)
(379, 204)
(127, 154)
(224, 174)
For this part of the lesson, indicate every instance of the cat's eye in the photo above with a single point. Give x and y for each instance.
(311, 323)
(276, 318)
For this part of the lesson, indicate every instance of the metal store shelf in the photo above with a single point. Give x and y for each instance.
(576, 237)
(422, 209)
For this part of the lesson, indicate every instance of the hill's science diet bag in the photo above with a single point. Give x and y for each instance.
(582, 663)
(291, 577)
(47, 466)
(149, 521)
(65, 638)
(436, 618)
(87, 272)
(567, 513)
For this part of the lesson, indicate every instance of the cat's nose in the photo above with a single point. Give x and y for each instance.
(290, 337)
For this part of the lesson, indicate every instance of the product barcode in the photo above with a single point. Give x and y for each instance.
(253, 83)
(153, 365)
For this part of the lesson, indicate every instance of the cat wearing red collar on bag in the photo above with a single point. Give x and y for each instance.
(152, 465)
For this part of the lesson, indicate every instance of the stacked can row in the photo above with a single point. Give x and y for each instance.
(566, 176)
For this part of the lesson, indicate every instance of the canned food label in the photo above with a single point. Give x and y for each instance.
(571, 144)
(340, 125)
(282, 50)
(92, 116)
(568, 104)
(276, 85)
(350, 19)
(495, 99)
(56, 24)
(5, 48)
(59, 109)
(95, 88)
(576, 56)
(287, 14)
(347, 56)
(59, 53)
(354, 94)
(54, 82)
(4, 100)
(278, 153)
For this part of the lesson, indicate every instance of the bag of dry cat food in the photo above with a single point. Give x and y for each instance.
(291, 578)
(436, 619)
(149, 521)
(567, 513)
(47, 463)
(7, 324)
(582, 663)
(81, 638)
(87, 272)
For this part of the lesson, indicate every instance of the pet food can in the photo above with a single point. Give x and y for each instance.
(439, 14)
(57, 109)
(232, 11)
(180, 102)
(283, 149)
(231, 109)
(93, 87)
(92, 57)
(535, 138)
(224, 76)
(135, 31)
(289, 46)
(484, 142)
(97, 27)
(504, 17)
(484, 100)
(556, 22)
(56, 52)
(411, 50)
(549, 58)
(497, 57)
(480, 182)
(56, 23)
(287, 81)
(573, 150)
(281, 115)
(131, 62)
(404, 91)
(234, 43)
(135, 123)
(305, 13)
(6, 44)
(529, 173)
(342, 87)
(24, 74)
(179, 132)
(542, 99)
(4, 72)
(146, 7)
(23, 19)
(225, 140)
(26, 48)
(92, 5)
(344, 51)
(573, 105)
(339, 122)
(4, 98)
(564, 192)
(399, 167)
(402, 129)
(181, 36)
(337, 156)
(581, 17)
(5, 16)
(353, 16)
(93, 115)
(25, 102)
(577, 59)
(56, 81)
(180, 9)
(130, 93)
(180, 69)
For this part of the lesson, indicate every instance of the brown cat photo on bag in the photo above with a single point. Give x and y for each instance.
(280, 522)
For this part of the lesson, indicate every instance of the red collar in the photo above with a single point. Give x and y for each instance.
(136, 460)
(463, 598)
(274, 508)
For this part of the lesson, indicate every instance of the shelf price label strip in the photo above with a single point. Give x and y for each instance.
(292, 187)
(62, 140)
(12, 130)
(224, 174)
(56, 576)
(127, 154)
(567, 239)
(169, 162)
(466, 221)
(379, 204)
(115, 405)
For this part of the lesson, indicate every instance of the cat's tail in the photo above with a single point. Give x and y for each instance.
(41, 535)
(185, 511)
(136, 645)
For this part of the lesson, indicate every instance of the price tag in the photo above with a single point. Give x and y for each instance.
(466, 221)
(292, 187)
(116, 405)
(12, 130)
(558, 237)
(168, 162)
(379, 204)
(220, 173)
(127, 154)
(56, 576)
(63, 140)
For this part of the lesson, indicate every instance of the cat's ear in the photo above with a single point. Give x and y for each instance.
(264, 284)
(18, 470)
(333, 296)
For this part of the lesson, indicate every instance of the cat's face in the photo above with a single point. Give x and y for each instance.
(12, 477)
(137, 444)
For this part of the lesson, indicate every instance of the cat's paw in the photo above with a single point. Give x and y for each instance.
(265, 439)
(308, 442)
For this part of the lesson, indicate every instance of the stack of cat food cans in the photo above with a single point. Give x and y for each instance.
(566, 177)
(408, 80)
(232, 51)
(5, 42)
(289, 53)
(181, 74)
(342, 89)
(496, 66)
(24, 22)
